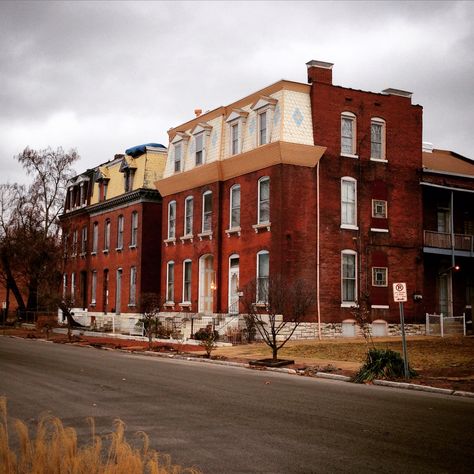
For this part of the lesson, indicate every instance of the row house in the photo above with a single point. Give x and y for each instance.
(111, 229)
(306, 181)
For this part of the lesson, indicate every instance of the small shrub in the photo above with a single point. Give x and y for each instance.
(207, 338)
(382, 364)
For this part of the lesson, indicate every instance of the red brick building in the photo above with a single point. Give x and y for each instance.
(112, 230)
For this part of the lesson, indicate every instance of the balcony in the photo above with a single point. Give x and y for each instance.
(441, 243)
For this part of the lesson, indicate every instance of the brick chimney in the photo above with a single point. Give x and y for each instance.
(319, 71)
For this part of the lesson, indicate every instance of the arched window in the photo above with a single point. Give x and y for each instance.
(207, 211)
(263, 275)
(187, 277)
(377, 139)
(348, 278)
(235, 206)
(188, 215)
(170, 282)
(172, 220)
(263, 200)
(348, 203)
(348, 134)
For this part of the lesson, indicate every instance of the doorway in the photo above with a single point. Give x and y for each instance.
(206, 284)
(233, 284)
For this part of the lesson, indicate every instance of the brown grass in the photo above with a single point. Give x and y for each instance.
(54, 450)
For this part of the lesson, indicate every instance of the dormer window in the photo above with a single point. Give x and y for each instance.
(264, 108)
(199, 149)
(128, 179)
(236, 121)
(200, 133)
(178, 149)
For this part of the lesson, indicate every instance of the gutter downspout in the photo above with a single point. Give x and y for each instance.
(318, 251)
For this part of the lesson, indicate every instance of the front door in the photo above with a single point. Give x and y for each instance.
(206, 284)
(234, 284)
(444, 292)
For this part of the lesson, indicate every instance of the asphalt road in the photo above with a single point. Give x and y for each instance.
(235, 420)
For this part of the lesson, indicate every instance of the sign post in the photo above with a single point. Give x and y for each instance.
(400, 297)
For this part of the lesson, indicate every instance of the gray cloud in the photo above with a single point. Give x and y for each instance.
(103, 76)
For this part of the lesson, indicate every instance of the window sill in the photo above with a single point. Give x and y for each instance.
(83, 254)
(380, 306)
(260, 305)
(379, 160)
(132, 246)
(169, 304)
(170, 241)
(375, 229)
(349, 227)
(233, 230)
(261, 226)
(184, 238)
(207, 234)
(119, 249)
(349, 304)
(92, 304)
(185, 304)
(93, 253)
(349, 155)
(105, 251)
(131, 305)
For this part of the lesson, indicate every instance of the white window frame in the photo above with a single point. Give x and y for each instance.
(263, 113)
(263, 179)
(187, 263)
(382, 204)
(199, 136)
(347, 302)
(95, 238)
(259, 298)
(64, 286)
(120, 228)
(383, 153)
(344, 204)
(232, 208)
(172, 220)
(178, 157)
(384, 272)
(134, 229)
(132, 297)
(107, 235)
(74, 242)
(235, 125)
(73, 288)
(204, 228)
(352, 153)
(84, 240)
(170, 282)
(188, 216)
(94, 287)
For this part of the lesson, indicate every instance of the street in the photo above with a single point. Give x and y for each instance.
(235, 420)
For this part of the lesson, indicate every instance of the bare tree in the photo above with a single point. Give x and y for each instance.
(277, 307)
(29, 244)
(150, 306)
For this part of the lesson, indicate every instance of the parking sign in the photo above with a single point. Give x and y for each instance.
(400, 292)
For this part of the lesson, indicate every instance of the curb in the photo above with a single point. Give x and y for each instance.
(327, 375)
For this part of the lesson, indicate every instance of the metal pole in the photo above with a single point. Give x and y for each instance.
(404, 342)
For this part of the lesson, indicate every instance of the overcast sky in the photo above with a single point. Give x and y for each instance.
(104, 76)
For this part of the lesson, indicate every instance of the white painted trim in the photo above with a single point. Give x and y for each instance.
(376, 229)
(462, 190)
(379, 306)
(459, 175)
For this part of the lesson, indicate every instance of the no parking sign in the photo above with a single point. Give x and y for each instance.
(400, 292)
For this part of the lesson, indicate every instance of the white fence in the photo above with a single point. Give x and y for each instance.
(440, 325)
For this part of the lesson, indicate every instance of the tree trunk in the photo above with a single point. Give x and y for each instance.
(71, 322)
(11, 283)
(275, 353)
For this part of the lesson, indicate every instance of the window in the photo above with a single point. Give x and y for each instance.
(262, 128)
(188, 215)
(95, 237)
(132, 300)
(170, 282)
(379, 209)
(94, 287)
(177, 157)
(263, 273)
(74, 243)
(84, 240)
(235, 206)
(348, 134)
(377, 139)
(207, 211)
(199, 149)
(73, 287)
(120, 233)
(379, 276)
(348, 203)
(234, 138)
(348, 277)
(172, 220)
(107, 236)
(134, 234)
(105, 186)
(128, 175)
(187, 281)
(64, 286)
(264, 200)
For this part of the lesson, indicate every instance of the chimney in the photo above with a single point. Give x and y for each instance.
(319, 71)
(197, 112)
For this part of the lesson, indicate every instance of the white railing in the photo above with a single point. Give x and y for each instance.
(440, 325)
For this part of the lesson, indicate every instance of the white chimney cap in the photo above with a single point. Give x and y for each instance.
(428, 147)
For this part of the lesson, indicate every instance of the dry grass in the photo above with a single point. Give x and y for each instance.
(54, 450)
(424, 352)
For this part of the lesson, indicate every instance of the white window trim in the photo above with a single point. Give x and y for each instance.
(349, 304)
(120, 231)
(235, 123)
(373, 209)
(267, 131)
(236, 118)
(203, 150)
(386, 277)
(205, 232)
(135, 274)
(345, 225)
(186, 201)
(94, 287)
(169, 220)
(383, 158)
(259, 221)
(183, 301)
(171, 262)
(134, 219)
(353, 118)
(107, 228)
(231, 192)
(262, 252)
(376, 229)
